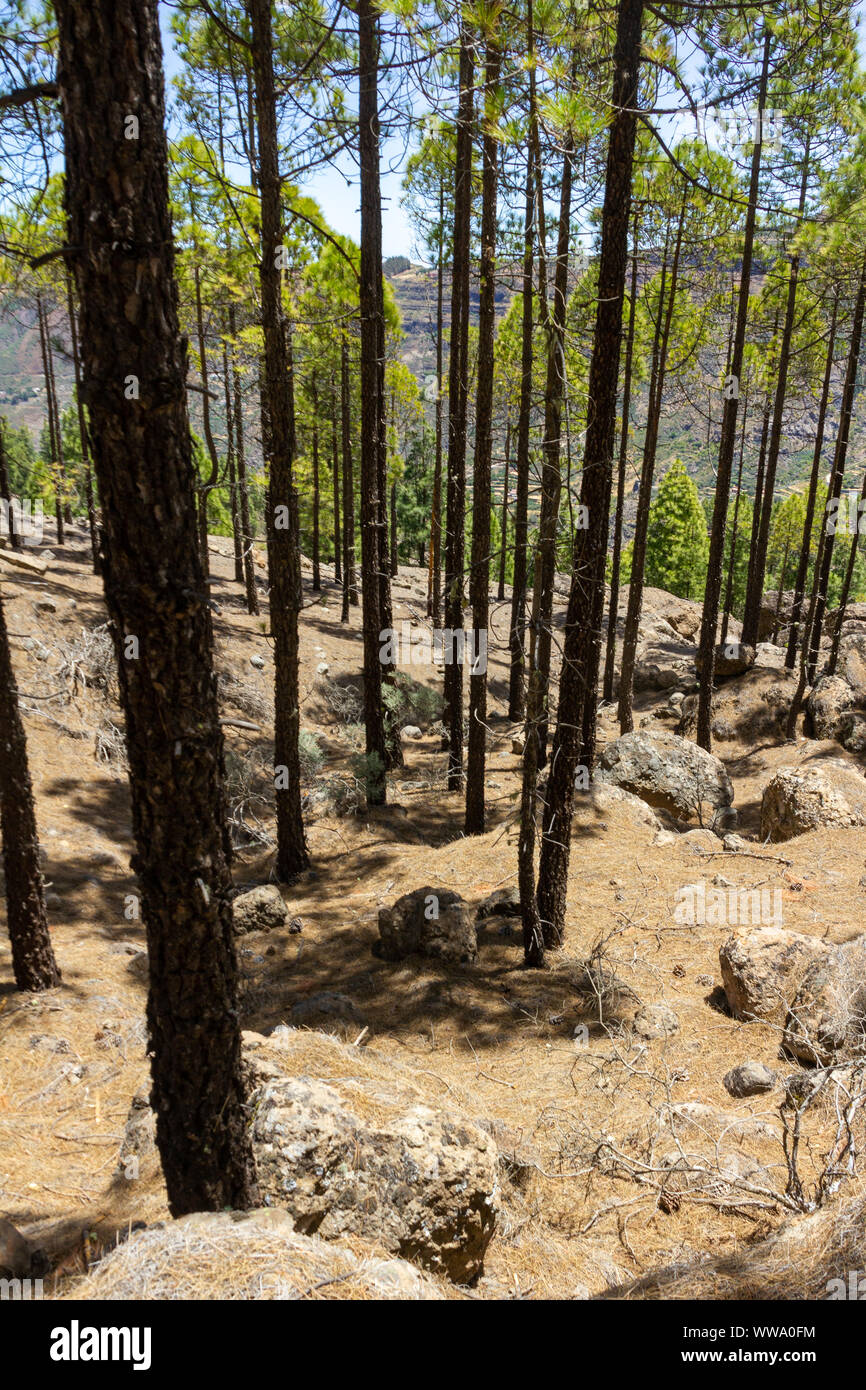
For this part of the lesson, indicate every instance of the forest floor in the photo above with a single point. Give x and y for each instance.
(587, 1111)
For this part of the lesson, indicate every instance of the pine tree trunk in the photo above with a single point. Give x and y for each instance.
(638, 562)
(434, 585)
(613, 613)
(517, 631)
(33, 963)
(581, 644)
(56, 469)
(243, 488)
(284, 561)
(335, 470)
(503, 524)
(82, 426)
(727, 444)
(110, 61)
(479, 574)
(317, 568)
(234, 505)
(6, 491)
(814, 479)
(372, 403)
(458, 391)
(751, 617)
(732, 562)
(395, 558)
(551, 474)
(350, 590)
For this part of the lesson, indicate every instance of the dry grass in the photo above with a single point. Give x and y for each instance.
(579, 1116)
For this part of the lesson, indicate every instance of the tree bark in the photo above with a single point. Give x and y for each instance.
(243, 487)
(479, 575)
(350, 589)
(517, 631)
(727, 444)
(284, 561)
(33, 963)
(372, 399)
(613, 612)
(581, 644)
(82, 426)
(117, 201)
(458, 392)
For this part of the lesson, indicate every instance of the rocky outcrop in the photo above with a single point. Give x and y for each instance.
(798, 799)
(431, 922)
(751, 708)
(666, 771)
(364, 1152)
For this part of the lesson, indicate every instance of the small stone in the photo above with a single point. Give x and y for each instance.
(258, 662)
(749, 1079)
(322, 669)
(261, 909)
(656, 1021)
(410, 731)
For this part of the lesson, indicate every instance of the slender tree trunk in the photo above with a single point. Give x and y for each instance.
(638, 563)
(372, 402)
(551, 474)
(317, 568)
(56, 467)
(6, 491)
(824, 559)
(479, 576)
(814, 479)
(110, 61)
(206, 485)
(715, 563)
(732, 562)
(503, 525)
(33, 963)
(395, 558)
(610, 655)
(751, 617)
(82, 426)
(458, 390)
(434, 597)
(237, 533)
(335, 469)
(780, 591)
(284, 561)
(516, 691)
(582, 643)
(243, 488)
(350, 590)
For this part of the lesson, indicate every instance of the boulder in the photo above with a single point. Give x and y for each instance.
(502, 902)
(431, 922)
(772, 611)
(762, 971)
(752, 708)
(828, 1013)
(731, 658)
(249, 1256)
(666, 771)
(798, 799)
(830, 700)
(261, 909)
(749, 1079)
(655, 1021)
(368, 1153)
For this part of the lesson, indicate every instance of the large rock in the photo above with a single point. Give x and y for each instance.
(250, 1255)
(798, 799)
(428, 922)
(770, 608)
(749, 1079)
(367, 1152)
(828, 1012)
(830, 700)
(261, 909)
(751, 709)
(731, 658)
(666, 771)
(762, 971)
